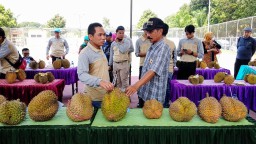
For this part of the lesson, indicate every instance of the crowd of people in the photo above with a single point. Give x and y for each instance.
(105, 58)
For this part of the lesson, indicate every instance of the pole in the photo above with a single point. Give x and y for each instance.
(130, 71)
(209, 13)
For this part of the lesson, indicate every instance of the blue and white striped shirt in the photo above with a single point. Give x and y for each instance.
(157, 60)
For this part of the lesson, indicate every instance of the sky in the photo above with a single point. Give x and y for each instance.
(79, 14)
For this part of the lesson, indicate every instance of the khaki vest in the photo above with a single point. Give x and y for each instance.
(172, 46)
(13, 57)
(99, 69)
(120, 57)
(192, 47)
(144, 48)
(57, 48)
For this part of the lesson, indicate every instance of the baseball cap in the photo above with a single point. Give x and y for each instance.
(57, 30)
(248, 29)
(108, 34)
(144, 26)
(154, 23)
(86, 38)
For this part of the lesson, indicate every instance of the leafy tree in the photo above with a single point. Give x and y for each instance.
(181, 19)
(200, 17)
(106, 22)
(144, 18)
(6, 18)
(30, 24)
(56, 22)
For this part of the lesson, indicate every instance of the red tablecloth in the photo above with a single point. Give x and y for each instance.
(246, 94)
(28, 89)
(207, 73)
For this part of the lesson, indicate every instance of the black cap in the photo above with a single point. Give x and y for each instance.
(144, 26)
(108, 34)
(154, 23)
(119, 28)
(2, 33)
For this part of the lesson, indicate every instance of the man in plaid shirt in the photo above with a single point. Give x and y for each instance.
(153, 83)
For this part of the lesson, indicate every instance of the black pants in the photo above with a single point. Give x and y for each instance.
(2, 76)
(186, 69)
(54, 58)
(141, 103)
(140, 71)
(238, 63)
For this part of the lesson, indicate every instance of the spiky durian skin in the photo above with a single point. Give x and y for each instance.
(152, 109)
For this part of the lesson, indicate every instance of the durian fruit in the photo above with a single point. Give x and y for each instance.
(194, 79)
(198, 63)
(41, 64)
(57, 64)
(203, 65)
(233, 109)
(50, 76)
(21, 75)
(251, 79)
(219, 77)
(36, 78)
(209, 109)
(79, 108)
(43, 78)
(11, 77)
(182, 109)
(2, 99)
(12, 112)
(201, 79)
(216, 65)
(211, 64)
(229, 79)
(114, 105)
(252, 63)
(44, 106)
(65, 63)
(33, 65)
(152, 109)
(245, 77)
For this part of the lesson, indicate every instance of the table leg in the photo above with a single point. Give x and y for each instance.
(76, 87)
(73, 90)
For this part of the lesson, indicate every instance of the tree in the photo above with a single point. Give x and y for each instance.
(56, 22)
(30, 24)
(181, 19)
(106, 23)
(144, 18)
(6, 18)
(200, 17)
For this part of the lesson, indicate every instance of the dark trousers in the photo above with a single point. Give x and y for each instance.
(141, 101)
(186, 69)
(238, 63)
(2, 76)
(140, 71)
(54, 58)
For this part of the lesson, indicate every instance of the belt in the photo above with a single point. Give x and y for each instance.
(121, 61)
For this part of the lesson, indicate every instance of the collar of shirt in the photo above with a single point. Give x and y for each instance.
(4, 42)
(157, 44)
(190, 38)
(93, 48)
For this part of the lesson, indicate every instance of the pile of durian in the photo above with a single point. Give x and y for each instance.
(196, 79)
(35, 65)
(58, 63)
(203, 65)
(11, 76)
(222, 76)
(252, 63)
(250, 78)
(44, 78)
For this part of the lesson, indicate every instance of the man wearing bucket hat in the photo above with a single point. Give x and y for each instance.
(86, 40)
(153, 82)
(57, 44)
(246, 46)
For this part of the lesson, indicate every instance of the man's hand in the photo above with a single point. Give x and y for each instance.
(131, 90)
(188, 51)
(108, 86)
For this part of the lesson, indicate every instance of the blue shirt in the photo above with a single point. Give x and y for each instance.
(245, 48)
(157, 60)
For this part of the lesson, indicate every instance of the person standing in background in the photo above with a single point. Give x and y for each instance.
(56, 45)
(189, 50)
(246, 46)
(173, 60)
(106, 50)
(86, 40)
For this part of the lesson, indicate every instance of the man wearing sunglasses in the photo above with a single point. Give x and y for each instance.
(153, 82)
(189, 49)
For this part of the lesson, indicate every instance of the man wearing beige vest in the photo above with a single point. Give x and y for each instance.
(120, 58)
(93, 67)
(57, 44)
(173, 60)
(142, 46)
(189, 50)
(7, 51)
